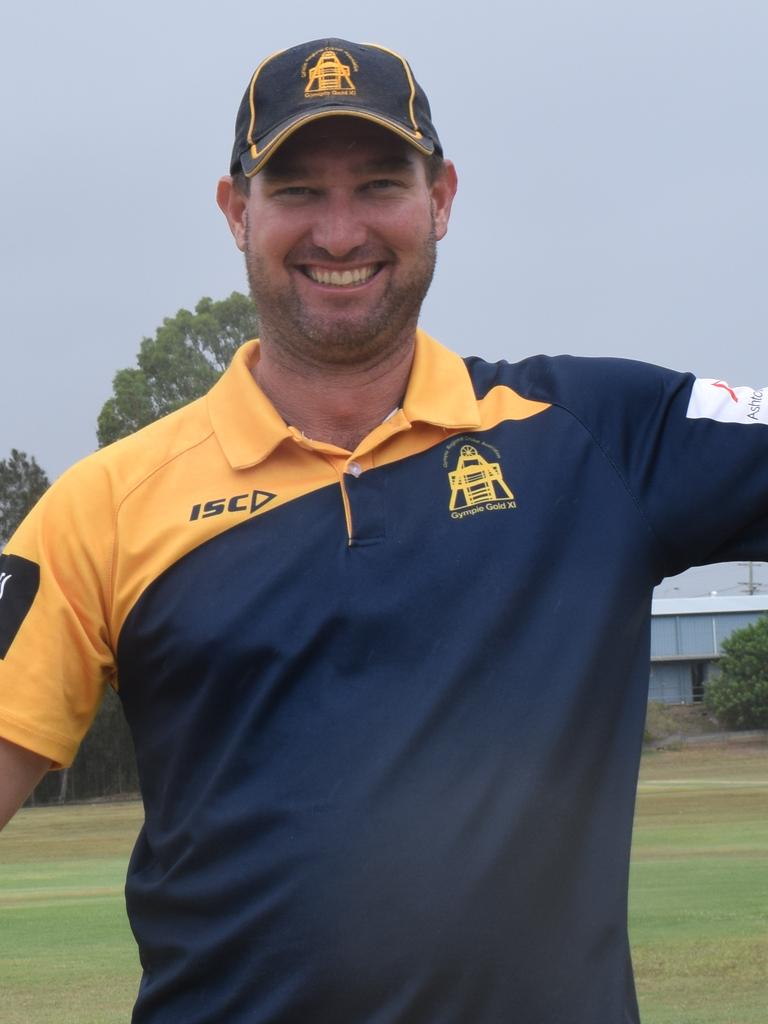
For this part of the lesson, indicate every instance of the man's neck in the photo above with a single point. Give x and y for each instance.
(339, 405)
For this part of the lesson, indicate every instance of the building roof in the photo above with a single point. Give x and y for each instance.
(716, 605)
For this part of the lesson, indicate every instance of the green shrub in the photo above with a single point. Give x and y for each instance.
(738, 694)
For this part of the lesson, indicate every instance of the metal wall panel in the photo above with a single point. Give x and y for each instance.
(696, 634)
(671, 684)
(664, 635)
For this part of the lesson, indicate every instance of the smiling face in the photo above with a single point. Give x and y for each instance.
(339, 234)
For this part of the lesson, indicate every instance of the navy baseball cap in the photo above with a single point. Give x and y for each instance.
(328, 78)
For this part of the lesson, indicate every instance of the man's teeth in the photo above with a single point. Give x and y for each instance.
(341, 278)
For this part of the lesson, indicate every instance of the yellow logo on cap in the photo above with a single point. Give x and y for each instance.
(329, 76)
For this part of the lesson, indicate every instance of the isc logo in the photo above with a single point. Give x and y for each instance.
(238, 503)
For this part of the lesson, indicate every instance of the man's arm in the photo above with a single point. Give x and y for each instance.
(20, 772)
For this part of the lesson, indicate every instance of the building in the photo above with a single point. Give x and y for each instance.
(686, 641)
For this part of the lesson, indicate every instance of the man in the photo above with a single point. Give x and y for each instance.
(379, 616)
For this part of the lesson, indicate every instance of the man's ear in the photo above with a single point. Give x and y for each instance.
(232, 204)
(442, 190)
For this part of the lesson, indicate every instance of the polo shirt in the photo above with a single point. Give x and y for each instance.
(387, 704)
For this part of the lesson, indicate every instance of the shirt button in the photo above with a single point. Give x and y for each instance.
(355, 469)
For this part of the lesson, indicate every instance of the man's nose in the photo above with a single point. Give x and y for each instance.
(339, 227)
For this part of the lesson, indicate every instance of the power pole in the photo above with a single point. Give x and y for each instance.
(751, 584)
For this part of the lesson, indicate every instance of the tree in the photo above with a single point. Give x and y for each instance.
(738, 695)
(184, 359)
(22, 482)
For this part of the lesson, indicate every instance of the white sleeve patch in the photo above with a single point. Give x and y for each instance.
(716, 400)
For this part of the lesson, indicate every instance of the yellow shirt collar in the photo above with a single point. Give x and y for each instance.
(249, 428)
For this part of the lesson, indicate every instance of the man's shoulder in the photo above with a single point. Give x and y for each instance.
(121, 467)
(580, 384)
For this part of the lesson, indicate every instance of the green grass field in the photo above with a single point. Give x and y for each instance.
(699, 892)
(699, 899)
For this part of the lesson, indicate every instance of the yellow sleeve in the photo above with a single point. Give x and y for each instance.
(56, 655)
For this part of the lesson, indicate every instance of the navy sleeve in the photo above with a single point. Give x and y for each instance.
(693, 453)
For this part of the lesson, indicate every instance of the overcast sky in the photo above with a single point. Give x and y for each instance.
(612, 158)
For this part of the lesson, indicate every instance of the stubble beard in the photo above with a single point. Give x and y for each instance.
(341, 339)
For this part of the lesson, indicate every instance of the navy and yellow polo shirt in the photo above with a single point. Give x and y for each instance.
(388, 704)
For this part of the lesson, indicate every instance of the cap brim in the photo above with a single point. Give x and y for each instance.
(256, 156)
